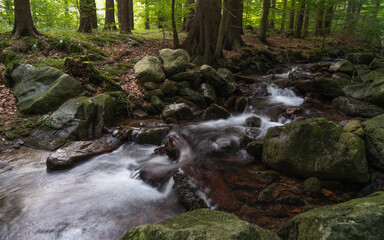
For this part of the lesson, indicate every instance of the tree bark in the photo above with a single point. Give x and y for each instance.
(119, 11)
(189, 17)
(130, 14)
(86, 12)
(202, 37)
(328, 20)
(110, 23)
(125, 26)
(272, 14)
(176, 43)
(23, 25)
(319, 18)
(264, 21)
(299, 19)
(283, 16)
(291, 17)
(146, 10)
(233, 25)
(306, 17)
(94, 14)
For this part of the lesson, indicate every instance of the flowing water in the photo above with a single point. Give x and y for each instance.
(103, 197)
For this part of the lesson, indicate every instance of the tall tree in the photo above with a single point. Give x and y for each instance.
(292, 17)
(130, 15)
(202, 37)
(23, 25)
(264, 21)
(319, 17)
(306, 17)
(328, 18)
(86, 13)
(189, 15)
(146, 12)
(232, 20)
(125, 26)
(110, 23)
(272, 11)
(176, 43)
(300, 18)
(283, 15)
(94, 14)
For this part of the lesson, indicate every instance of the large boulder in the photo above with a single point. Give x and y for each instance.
(208, 92)
(215, 112)
(193, 96)
(192, 78)
(153, 136)
(356, 108)
(149, 69)
(175, 61)
(223, 87)
(343, 66)
(360, 218)
(371, 90)
(376, 64)
(77, 119)
(374, 140)
(201, 224)
(180, 111)
(42, 89)
(326, 86)
(316, 148)
(361, 57)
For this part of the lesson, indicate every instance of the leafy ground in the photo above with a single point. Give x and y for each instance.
(121, 53)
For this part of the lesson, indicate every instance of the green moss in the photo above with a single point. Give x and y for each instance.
(52, 62)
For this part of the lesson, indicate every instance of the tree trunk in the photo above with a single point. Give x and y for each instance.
(189, 17)
(292, 17)
(146, 10)
(272, 15)
(130, 14)
(176, 43)
(264, 21)
(328, 20)
(119, 11)
(233, 25)
(110, 23)
(125, 26)
(23, 25)
(299, 19)
(202, 37)
(283, 16)
(85, 10)
(319, 18)
(94, 14)
(306, 17)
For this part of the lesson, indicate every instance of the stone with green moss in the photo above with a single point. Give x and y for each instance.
(98, 78)
(153, 136)
(149, 86)
(356, 108)
(360, 218)
(157, 92)
(343, 66)
(180, 111)
(223, 87)
(175, 61)
(326, 86)
(361, 57)
(201, 224)
(148, 69)
(215, 112)
(376, 64)
(374, 140)
(208, 92)
(192, 78)
(167, 88)
(355, 128)
(193, 96)
(316, 148)
(43, 89)
(312, 185)
(158, 103)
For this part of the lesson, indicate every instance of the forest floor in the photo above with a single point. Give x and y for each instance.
(121, 52)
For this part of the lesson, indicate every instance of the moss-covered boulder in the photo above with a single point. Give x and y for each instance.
(343, 66)
(374, 140)
(356, 108)
(360, 218)
(149, 94)
(208, 92)
(153, 136)
(175, 61)
(361, 57)
(42, 89)
(180, 111)
(149, 86)
(192, 78)
(77, 119)
(201, 224)
(326, 86)
(371, 90)
(215, 112)
(157, 103)
(193, 96)
(316, 147)
(376, 64)
(223, 87)
(149, 69)
(167, 88)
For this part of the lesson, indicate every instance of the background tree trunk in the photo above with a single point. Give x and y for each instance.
(85, 9)
(23, 25)
(292, 17)
(94, 14)
(125, 26)
(119, 11)
(189, 17)
(264, 21)
(176, 43)
(202, 37)
(146, 10)
(233, 25)
(299, 19)
(328, 20)
(306, 17)
(272, 14)
(283, 15)
(110, 23)
(130, 14)
(319, 18)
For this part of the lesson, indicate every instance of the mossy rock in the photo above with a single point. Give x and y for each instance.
(374, 140)
(356, 108)
(157, 92)
(180, 111)
(326, 151)
(326, 86)
(202, 224)
(359, 218)
(167, 88)
(222, 87)
(148, 69)
(361, 57)
(156, 101)
(154, 136)
(208, 92)
(215, 112)
(192, 78)
(343, 66)
(376, 64)
(312, 186)
(149, 86)
(193, 96)
(175, 61)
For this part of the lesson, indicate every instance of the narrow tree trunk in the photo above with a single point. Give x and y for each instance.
(292, 17)
(66, 14)
(94, 14)
(189, 17)
(110, 23)
(299, 19)
(202, 37)
(8, 10)
(85, 10)
(130, 14)
(306, 17)
(272, 14)
(146, 10)
(319, 18)
(176, 43)
(264, 21)
(125, 27)
(328, 20)
(283, 16)
(23, 25)
(119, 12)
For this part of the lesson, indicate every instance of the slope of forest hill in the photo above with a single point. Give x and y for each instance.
(119, 53)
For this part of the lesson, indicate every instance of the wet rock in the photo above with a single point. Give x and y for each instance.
(340, 75)
(208, 92)
(266, 195)
(183, 84)
(374, 140)
(229, 102)
(376, 64)
(375, 186)
(361, 58)
(189, 194)
(74, 152)
(170, 120)
(180, 111)
(153, 136)
(241, 103)
(290, 112)
(326, 86)
(149, 94)
(167, 88)
(200, 224)
(343, 66)
(291, 200)
(253, 122)
(192, 78)
(312, 186)
(355, 219)
(356, 108)
(149, 86)
(371, 90)
(148, 69)
(42, 89)
(226, 74)
(77, 119)
(327, 151)
(139, 113)
(193, 96)
(255, 149)
(159, 105)
(355, 128)
(175, 61)
(223, 87)
(215, 112)
(244, 141)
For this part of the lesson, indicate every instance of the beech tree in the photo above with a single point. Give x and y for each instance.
(125, 26)
(23, 25)
(110, 23)
(300, 19)
(86, 16)
(264, 22)
(232, 21)
(189, 16)
(292, 17)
